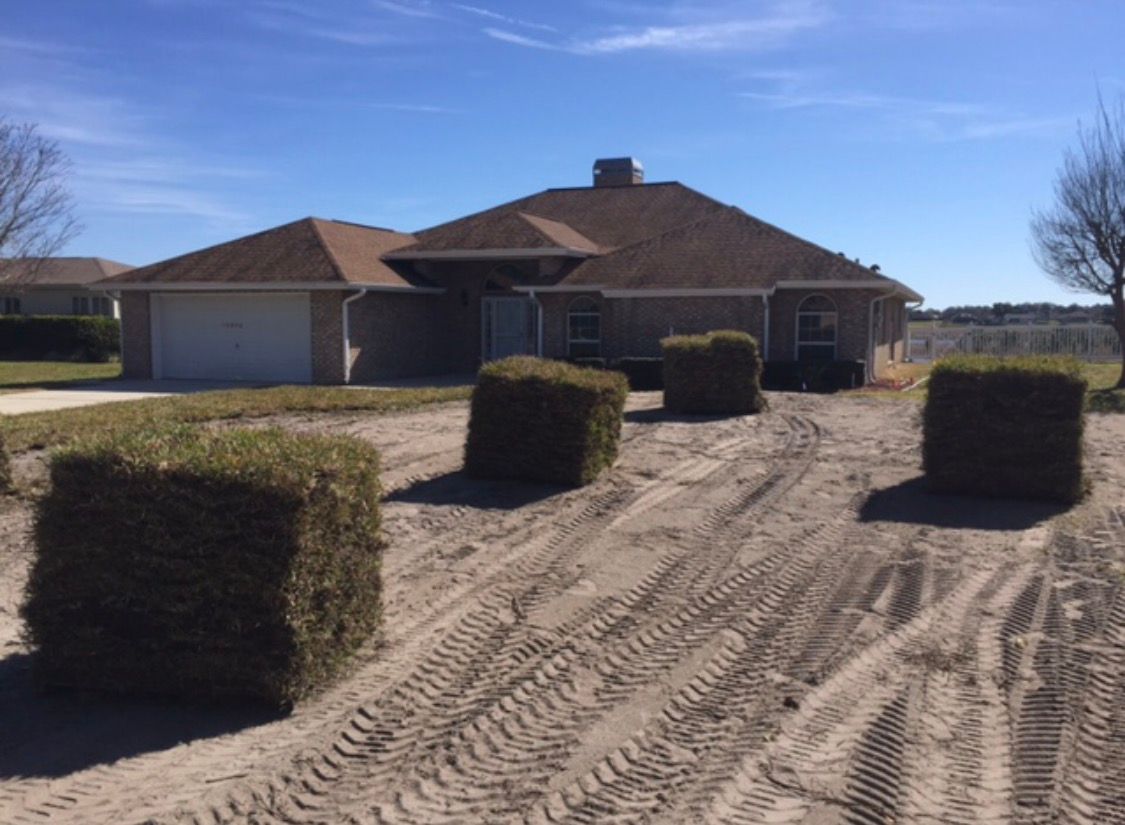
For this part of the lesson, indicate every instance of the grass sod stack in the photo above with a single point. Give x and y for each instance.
(204, 564)
(718, 373)
(1005, 427)
(540, 420)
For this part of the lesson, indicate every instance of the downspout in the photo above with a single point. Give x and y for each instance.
(908, 349)
(347, 334)
(871, 345)
(116, 296)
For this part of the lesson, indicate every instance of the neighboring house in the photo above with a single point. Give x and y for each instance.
(57, 286)
(600, 271)
(1021, 318)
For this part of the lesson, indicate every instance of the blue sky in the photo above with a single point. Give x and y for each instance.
(916, 134)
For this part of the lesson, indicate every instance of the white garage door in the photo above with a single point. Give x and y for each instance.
(232, 336)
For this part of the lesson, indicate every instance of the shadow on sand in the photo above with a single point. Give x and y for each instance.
(458, 489)
(659, 415)
(55, 733)
(911, 503)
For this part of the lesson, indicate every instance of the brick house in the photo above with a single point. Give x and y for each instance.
(605, 271)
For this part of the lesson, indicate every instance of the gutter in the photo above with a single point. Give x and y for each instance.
(347, 333)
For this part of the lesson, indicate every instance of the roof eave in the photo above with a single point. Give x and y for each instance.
(271, 286)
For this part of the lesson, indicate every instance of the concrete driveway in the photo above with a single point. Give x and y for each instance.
(104, 392)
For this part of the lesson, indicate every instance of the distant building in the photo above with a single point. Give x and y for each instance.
(57, 286)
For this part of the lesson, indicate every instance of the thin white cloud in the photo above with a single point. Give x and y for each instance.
(694, 29)
(520, 40)
(935, 120)
(423, 9)
(503, 18)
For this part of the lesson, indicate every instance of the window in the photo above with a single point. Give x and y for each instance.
(583, 329)
(816, 329)
(11, 306)
(80, 305)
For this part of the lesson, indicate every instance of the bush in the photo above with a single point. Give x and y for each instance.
(714, 373)
(1005, 427)
(541, 420)
(813, 376)
(60, 337)
(643, 373)
(205, 564)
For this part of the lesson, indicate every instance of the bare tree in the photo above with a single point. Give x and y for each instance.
(1080, 241)
(36, 212)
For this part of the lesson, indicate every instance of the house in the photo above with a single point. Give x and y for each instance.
(57, 286)
(596, 271)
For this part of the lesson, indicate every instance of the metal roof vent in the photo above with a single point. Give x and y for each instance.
(618, 172)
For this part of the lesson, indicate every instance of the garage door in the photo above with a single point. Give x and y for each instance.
(234, 337)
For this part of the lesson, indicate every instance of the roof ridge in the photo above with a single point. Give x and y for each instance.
(701, 219)
(359, 225)
(324, 245)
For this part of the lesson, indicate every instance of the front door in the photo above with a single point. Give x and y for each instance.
(508, 327)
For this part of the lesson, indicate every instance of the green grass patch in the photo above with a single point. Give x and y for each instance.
(543, 420)
(29, 374)
(205, 564)
(48, 429)
(1005, 427)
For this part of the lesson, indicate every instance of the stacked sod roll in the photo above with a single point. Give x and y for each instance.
(1005, 427)
(205, 564)
(718, 373)
(541, 420)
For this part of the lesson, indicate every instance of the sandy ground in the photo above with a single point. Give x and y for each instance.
(748, 620)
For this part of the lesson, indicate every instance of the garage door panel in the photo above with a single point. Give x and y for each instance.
(234, 337)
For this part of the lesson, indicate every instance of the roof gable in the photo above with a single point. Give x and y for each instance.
(310, 250)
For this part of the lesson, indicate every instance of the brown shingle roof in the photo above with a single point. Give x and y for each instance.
(58, 271)
(310, 250)
(603, 217)
(726, 249)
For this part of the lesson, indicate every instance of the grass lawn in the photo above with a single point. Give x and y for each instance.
(48, 429)
(1099, 398)
(29, 374)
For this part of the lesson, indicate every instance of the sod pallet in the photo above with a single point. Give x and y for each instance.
(205, 564)
(716, 373)
(540, 420)
(1005, 427)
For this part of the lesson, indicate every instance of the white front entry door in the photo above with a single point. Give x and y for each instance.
(232, 336)
(509, 327)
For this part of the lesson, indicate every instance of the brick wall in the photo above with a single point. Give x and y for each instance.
(853, 312)
(136, 335)
(634, 326)
(326, 309)
(393, 335)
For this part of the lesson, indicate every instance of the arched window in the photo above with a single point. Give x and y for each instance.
(816, 329)
(583, 329)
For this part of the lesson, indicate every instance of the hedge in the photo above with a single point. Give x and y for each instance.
(719, 372)
(813, 376)
(541, 420)
(205, 564)
(1005, 427)
(61, 337)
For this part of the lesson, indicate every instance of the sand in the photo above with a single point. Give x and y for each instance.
(760, 619)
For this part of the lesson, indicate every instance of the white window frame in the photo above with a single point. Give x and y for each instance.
(832, 314)
(571, 312)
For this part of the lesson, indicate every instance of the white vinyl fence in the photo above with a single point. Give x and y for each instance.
(1089, 342)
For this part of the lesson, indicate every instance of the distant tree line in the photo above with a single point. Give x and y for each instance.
(1029, 313)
